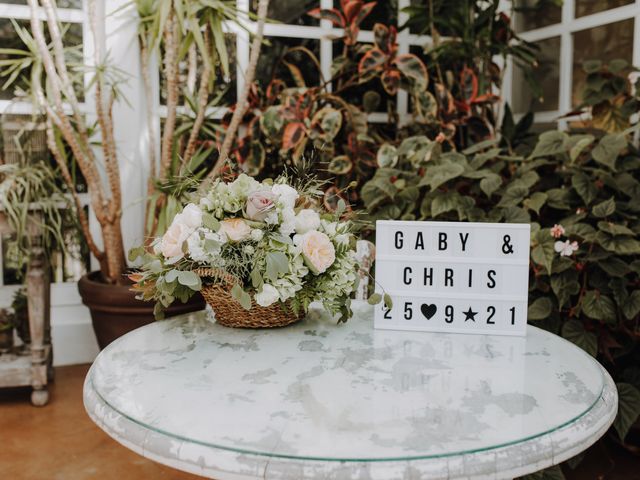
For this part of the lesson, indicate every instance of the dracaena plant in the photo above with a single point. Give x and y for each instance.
(178, 30)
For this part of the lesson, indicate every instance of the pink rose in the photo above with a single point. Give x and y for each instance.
(317, 251)
(258, 205)
(172, 240)
(235, 229)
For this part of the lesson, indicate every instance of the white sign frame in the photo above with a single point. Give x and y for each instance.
(454, 277)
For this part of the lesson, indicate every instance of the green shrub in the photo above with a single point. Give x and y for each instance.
(582, 198)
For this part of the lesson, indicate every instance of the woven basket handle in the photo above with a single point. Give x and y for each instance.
(218, 274)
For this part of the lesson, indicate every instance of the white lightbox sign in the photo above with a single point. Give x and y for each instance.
(453, 276)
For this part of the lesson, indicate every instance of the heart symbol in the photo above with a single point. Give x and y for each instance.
(428, 310)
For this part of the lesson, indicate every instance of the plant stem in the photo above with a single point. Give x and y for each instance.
(241, 105)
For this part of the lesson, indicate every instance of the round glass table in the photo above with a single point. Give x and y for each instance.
(320, 400)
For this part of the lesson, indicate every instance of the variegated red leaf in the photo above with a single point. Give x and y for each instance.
(351, 9)
(293, 134)
(413, 68)
(364, 12)
(468, 85)
(381, 36)
(374, 59)
(390, 81)
(332, 14)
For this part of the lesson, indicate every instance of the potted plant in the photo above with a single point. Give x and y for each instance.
(54, 83)
(260, 253)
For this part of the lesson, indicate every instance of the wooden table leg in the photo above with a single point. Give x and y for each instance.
(38, 306)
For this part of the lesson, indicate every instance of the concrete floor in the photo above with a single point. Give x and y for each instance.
(59, 442)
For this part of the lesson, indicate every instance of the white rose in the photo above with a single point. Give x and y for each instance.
(317, 251)
(235, 229)
(306, 220)
(172, 240)
(286, 194)
(191, 216)
(268, 295)
(257, 234)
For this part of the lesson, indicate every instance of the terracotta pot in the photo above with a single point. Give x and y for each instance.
(115, 310)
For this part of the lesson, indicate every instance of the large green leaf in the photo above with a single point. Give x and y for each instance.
(605, 208)
(539, 309)
(550, 143)
(628, 408)
(573, 330)
(608, 149)
(513, 196)
(598, 306)
(445, 202)
(439, 174)
(585, 187)
(631, 307)
(623, 245)
(536, 201)
(490, 183)
(565, 285)
(543, 252)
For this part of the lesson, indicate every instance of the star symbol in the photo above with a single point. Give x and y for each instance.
(470, 315)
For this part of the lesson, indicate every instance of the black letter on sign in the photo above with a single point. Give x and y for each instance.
(399, 240)
(442, 241)
(470, 278)
(463, 240)
(407, 278)
(492, 282)
(448, 277)
(419, 241)
(428, 276)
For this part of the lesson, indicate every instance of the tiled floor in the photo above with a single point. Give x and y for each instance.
(59, 442)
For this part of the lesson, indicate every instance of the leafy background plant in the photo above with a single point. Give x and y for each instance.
(454, 89)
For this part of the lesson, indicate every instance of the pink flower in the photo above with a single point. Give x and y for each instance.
(557, 231)
(566, 248)
(258, 205)
(235, 229)
(318, 251)
(172, 240)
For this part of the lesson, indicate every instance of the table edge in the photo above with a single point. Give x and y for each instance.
(510, 461)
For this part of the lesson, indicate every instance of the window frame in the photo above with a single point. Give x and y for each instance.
(568, 25)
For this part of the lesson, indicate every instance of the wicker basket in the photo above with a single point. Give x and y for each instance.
(230, 313)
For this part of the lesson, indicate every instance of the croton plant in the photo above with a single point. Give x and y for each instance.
(326, 124)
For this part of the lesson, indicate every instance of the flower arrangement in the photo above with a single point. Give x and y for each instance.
(266, 244)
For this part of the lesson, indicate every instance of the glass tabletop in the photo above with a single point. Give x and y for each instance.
(321, 391)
